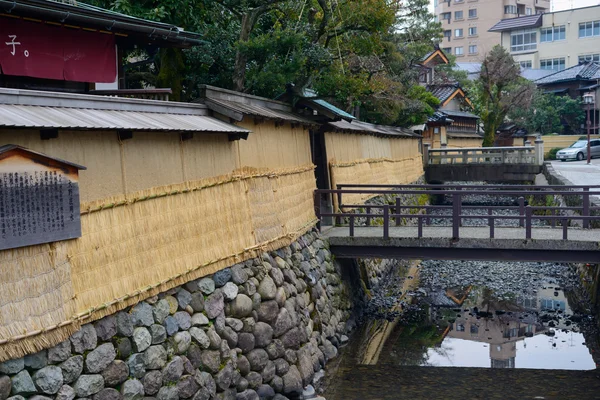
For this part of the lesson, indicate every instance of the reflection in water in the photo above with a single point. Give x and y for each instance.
(473, 328)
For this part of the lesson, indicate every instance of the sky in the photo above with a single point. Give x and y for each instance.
(558, 5)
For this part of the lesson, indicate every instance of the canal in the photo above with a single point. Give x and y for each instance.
(457, 325)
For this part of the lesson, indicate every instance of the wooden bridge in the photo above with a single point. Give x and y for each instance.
(519, 223)
(492, 164)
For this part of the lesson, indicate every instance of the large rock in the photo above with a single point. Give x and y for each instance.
(124, 348)
(66, 392)
(107, 394)
(87, 385)
(142, 339)
(215, 339)
(72, 368)
(181, 342)
(221, 277)
(158, 333)
(305, 365)
(171, 325)
(206, 285)
(211, 361)
(197, 302)
(37, 360)
(293, 338)
(268, 311)
(257, 358)
(173, 371)
(183, 298)
(281, 366)
(124, 324)
(224, 377)
(168, 393)
(59, 353)
(208, 385)
(184, 320)
(5, 387)
(187, 387)
(155, 357)
(152, 382)
(141, 314)
(132, 390)
(283, 323)
(241, 306)
(48, 380)
(292, 381)
(84, 339)
(246, 341)
(137, 365)
(238, 274)
(160, 311)
(100, 358)
(22, 384)
(214, 305)
(254, 379)
(267, 288)
(12, 367)
(230, 291)
(248, 394)
(200, 337)
(263, 334)
(116, 373)
(265, 392)
(275, 349)
(235, 324)
(200, 319)
(230, 336)
(106, 328)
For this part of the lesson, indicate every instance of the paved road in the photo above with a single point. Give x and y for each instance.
(579, 172)
(385, 382)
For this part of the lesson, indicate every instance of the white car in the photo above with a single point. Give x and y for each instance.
(578, 150)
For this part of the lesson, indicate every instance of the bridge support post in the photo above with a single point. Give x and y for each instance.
(539, 151)
(456, 206)
(426, 147)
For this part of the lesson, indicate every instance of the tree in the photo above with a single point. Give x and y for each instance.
(498, 91)
(549, 114)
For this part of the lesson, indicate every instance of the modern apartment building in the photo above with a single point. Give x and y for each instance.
(466, 23)
(553, 41)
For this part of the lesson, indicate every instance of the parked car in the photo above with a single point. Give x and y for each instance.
(578, 150)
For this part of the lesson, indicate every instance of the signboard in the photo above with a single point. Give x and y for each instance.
(39, 198)
(40, 50)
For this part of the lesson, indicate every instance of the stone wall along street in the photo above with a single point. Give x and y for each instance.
(261, 329)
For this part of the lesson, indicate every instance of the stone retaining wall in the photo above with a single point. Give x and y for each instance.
(261, 329)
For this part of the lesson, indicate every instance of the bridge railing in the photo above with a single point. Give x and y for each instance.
(532, 155)
(459, 208)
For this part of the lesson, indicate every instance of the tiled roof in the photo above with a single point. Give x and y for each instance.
(443, 92)
(439, 117)
(461, 114)
(509, 24)
(584, 71)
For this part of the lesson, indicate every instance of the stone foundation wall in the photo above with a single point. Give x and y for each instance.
(261, 329)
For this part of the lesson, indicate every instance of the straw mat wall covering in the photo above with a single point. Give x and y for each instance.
(137, 246)
(374, 171)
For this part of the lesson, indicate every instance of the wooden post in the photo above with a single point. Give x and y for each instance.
(521, 211)
(528, 213)
(586, 206)
(491, 223)
(386, 221)
(456, 199)
(398, 219)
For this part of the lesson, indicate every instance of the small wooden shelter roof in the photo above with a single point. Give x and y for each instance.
(9, 149)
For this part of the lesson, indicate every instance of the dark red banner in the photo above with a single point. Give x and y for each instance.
(53, 52)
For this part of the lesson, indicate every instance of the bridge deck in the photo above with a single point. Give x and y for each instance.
(474, 243)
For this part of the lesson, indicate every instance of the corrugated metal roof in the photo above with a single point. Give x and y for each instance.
(29, 116)
(256, 110)
(372, 129)
(311, 95)
(509, 24)
(584, 71)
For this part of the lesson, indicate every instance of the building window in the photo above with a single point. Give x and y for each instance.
(589, 29)
(448, 34)
(473, 31)
(528, 11)
(556, 64)
(473, 49)
(523, 40)
(473, 13)
(525, 64)
(458, 32)
(446, 16)
(435, 3)
(552, 34)
(510, 9)
(447, 50)
(458, 15)
(460, 328)
(458, 51)
(589, 57)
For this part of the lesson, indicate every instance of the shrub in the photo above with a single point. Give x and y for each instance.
(552, 153)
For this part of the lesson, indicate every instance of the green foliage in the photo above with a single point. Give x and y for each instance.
(549, 114)
(498, 91)
(552, 153)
